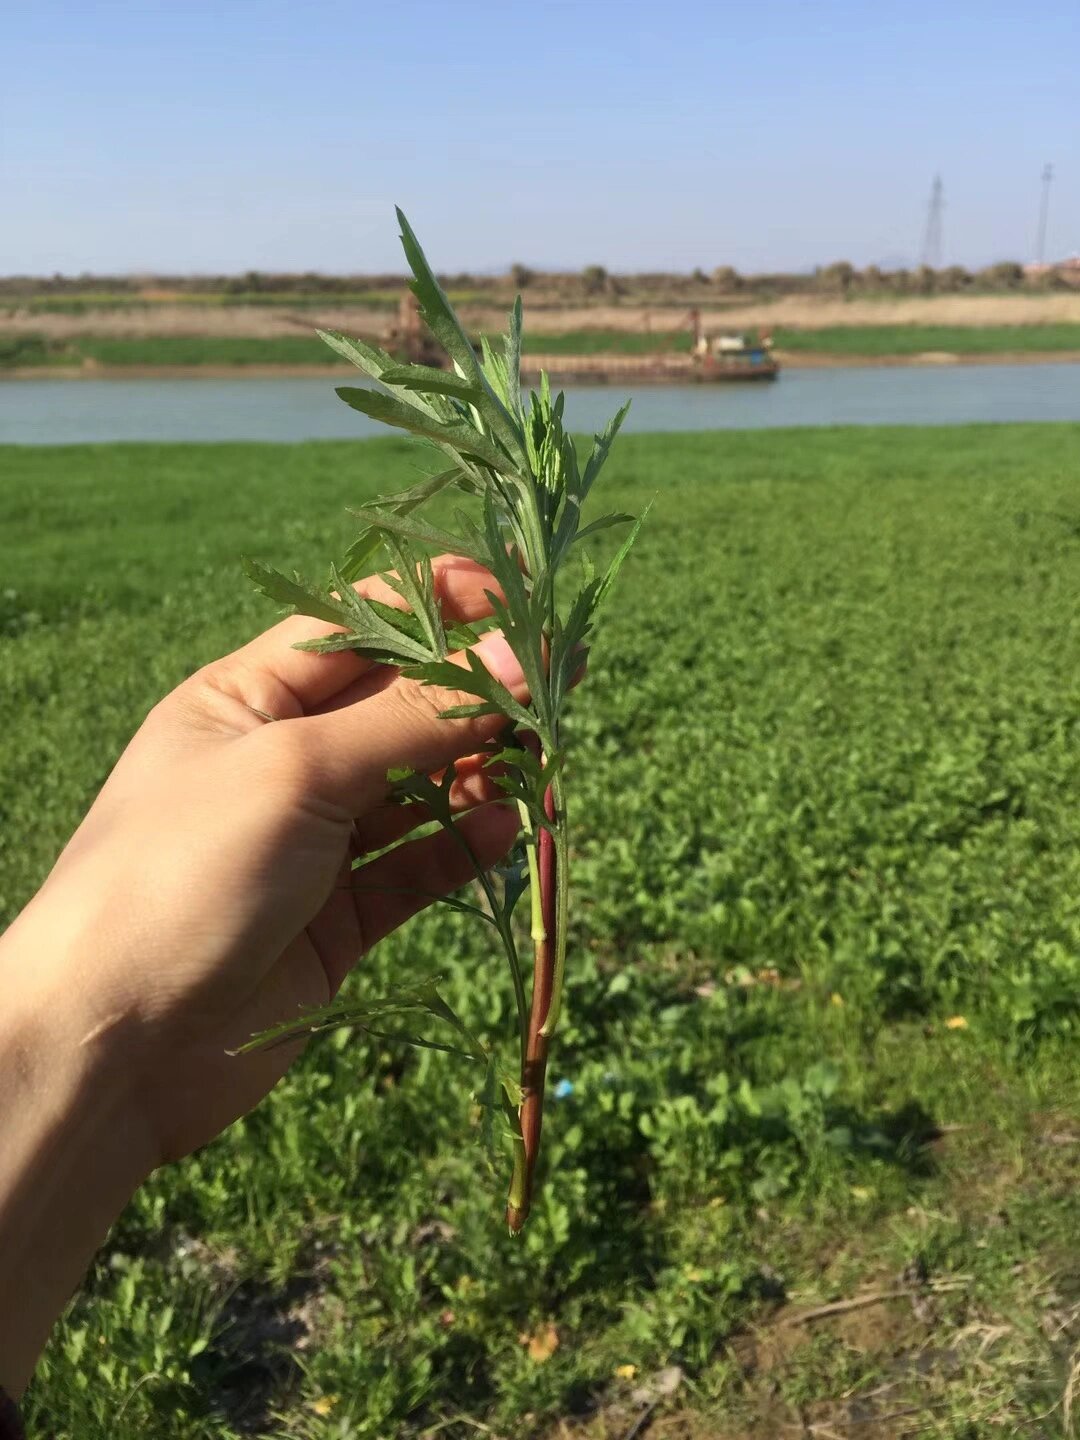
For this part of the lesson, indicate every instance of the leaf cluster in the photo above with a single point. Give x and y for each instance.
(511, 461)
(520, 490)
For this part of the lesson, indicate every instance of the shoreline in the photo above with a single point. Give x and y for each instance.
(619, 370)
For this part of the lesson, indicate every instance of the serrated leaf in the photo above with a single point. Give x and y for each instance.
(442, 321)
(453, 435)
(422, 532)
(476, 680)
(336, 644)
(611, 574)
(302, 598)
(435, 308)
(368, 358)
(604, 523)
(369, 627)
(469, 712)
(435, 794)
(602, 444)
(414, 580)
(430, 381)
(349, 1011)
(375, 362)
(403, 503)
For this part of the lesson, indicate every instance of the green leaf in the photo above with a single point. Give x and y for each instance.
(336, 644)
(454, 435)
(295, 593)
(616, 565)
(578, 492)
(375, 362)
(403, 503)
(422, 532)
(487, 1098)
(602, 449)
(437, 312)
(469, 712)
(515, 878)
(513, 360)
(604, 523)
(444, 324)
(476, 680)
(414, 580)
(430, 381)
(371, 628)
(423, 997)
(435, 794)
(368, 358)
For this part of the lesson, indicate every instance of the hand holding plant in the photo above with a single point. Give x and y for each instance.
(521, 490)
(205, 897)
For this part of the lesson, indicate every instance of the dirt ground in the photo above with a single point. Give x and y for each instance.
(804, 311)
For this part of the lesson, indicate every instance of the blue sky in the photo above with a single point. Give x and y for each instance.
(253, 134)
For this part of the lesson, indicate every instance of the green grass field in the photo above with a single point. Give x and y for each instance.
(855, 341)
(823, 1000)
(114, 351)
(90, 302)
(298, 349)
(608, 342)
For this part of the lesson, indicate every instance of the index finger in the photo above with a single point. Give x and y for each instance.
(312, 679)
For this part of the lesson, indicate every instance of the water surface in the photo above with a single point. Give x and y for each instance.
(53, 412)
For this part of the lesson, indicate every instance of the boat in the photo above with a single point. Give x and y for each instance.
(739, 356)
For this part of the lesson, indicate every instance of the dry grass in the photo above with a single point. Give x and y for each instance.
(814, 313)
(797, 311)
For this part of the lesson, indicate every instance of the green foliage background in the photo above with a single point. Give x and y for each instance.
(825, 795)
(854, 341)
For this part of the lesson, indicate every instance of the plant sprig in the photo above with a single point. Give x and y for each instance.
(524, 490)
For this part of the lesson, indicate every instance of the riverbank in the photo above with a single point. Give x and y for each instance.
(677, 370)
(574, 350)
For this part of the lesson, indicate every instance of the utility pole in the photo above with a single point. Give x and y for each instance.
(933, 236)
(1044, 211)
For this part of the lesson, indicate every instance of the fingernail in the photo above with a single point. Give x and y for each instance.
(494, 650)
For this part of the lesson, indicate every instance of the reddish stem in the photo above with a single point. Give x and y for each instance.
(534, 1070)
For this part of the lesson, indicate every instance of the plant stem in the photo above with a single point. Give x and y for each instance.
(561, 904)
(534, 1070)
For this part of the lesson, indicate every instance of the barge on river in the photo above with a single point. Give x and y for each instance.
(709, 358)
(712, 359)
(752, 361)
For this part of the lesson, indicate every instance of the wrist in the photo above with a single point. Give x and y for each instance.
(73, 1148)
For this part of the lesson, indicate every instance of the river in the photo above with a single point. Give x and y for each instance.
(52, 412)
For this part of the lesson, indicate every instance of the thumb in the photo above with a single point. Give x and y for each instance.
(345, 753)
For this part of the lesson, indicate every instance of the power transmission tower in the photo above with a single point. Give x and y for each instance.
(1044, 211)
(933, 236)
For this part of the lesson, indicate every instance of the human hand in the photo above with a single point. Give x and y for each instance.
(207, 897)
(209, 886)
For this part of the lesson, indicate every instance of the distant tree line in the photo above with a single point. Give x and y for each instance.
(724, 281)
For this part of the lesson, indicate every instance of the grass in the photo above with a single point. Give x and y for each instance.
(827, 789)
(298, 349)
(857, 340)
(152, 350)
(607, 342)
(96, 301)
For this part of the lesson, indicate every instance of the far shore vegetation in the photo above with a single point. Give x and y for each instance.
(74, 294)
(21, 350)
